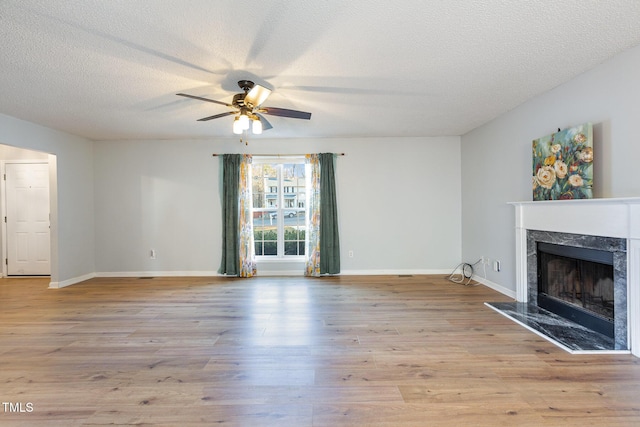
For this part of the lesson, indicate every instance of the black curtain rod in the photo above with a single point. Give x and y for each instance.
(274, 155)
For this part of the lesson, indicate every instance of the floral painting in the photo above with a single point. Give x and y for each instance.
(563, 164)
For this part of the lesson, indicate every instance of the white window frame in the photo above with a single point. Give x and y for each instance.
(280, 205)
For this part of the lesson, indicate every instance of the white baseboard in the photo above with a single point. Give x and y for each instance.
(72, 281)
(391, 272)
(157, 274)
(268, 273)
(489, 284)
(265, 273)
(56, 285)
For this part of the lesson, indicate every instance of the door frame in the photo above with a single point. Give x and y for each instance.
(3, 211)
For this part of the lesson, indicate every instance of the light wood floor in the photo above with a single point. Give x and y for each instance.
(349, 351)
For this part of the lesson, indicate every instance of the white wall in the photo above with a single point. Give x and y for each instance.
(398, 198)
(497, 163)
(158, 195)
(71, 164)
(8, 153)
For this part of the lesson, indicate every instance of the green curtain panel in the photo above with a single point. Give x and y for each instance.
(329, 239)
(323, 250)
(237, 225)
(230, 264)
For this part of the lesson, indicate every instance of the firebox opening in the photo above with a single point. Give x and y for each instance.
(577, 284)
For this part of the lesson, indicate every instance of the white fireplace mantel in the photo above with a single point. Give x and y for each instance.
(615, 217)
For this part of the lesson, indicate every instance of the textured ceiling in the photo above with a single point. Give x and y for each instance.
(111, 69)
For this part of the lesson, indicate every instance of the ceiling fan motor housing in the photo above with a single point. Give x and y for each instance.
(246, 85)
(238, 100)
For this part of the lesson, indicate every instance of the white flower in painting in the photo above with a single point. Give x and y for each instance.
(579, 138)
(546, 176)
(586, 155)
(555, 148)
(576, 180)
(561, 169)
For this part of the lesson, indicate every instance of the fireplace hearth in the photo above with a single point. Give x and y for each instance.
(577, 291)
(567, 334)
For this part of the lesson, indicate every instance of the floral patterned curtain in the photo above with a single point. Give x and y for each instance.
(312, 267)
(245, 225)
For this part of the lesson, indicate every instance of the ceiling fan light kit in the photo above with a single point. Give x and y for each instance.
(237, 127)
(256, 127)
(244, 121)
(248, 109)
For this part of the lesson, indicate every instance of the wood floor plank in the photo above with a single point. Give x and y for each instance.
(292, 351)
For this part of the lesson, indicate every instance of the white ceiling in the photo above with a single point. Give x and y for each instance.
(111, 69)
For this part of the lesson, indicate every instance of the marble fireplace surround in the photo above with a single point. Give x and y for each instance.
(559, 220)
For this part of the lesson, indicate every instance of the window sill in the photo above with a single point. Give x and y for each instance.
(279, 260)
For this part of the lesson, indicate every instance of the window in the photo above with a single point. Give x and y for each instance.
(279, 214)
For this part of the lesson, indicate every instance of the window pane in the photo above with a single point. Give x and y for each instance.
(264, 188)
(279, 191)
(270, 248)
(294, 240)
(294, 248)
(264, 185)
(265, 233)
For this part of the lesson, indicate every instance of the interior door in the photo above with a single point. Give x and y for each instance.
(27, 206)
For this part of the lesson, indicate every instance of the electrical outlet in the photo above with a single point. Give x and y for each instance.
(152, 254)
(350, 254)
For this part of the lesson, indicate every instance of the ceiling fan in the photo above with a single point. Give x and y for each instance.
(248, 108)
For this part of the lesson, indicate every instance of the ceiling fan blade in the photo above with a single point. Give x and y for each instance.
(217, 116)
(204, 99)
(265, 123)
(283, 112)
(256, 96)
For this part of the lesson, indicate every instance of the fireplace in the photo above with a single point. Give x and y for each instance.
(577, 284)
(582, 278)
(607, 225)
